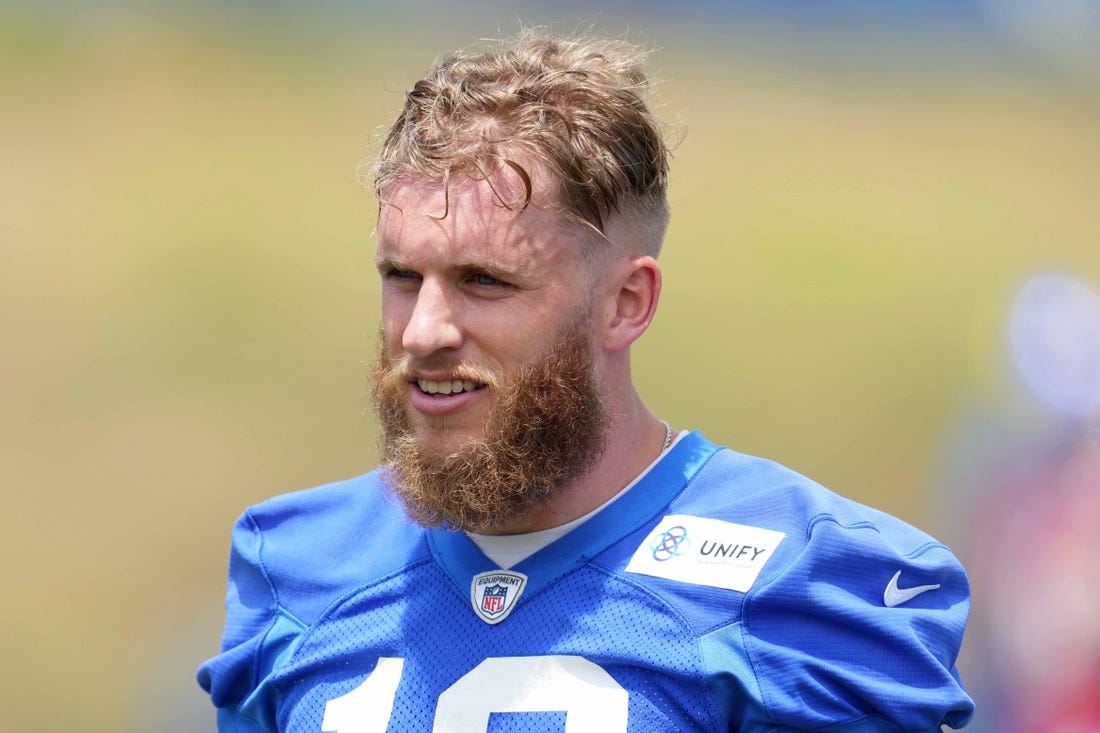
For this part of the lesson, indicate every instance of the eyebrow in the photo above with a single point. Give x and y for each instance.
(387, 263)
(468, 267)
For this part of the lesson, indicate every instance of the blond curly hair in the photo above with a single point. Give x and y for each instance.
(574, 107)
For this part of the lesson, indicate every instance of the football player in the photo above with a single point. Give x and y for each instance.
(538, 551)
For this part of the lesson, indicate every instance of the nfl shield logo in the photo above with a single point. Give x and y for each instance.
(492, 602)
(494, 594)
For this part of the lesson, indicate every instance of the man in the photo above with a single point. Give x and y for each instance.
(539, 552)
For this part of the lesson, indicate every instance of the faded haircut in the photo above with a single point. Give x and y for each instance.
(574, 107)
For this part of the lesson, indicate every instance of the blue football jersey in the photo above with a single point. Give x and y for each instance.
(723, 592)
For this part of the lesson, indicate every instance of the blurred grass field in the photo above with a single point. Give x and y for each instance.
(187, 296)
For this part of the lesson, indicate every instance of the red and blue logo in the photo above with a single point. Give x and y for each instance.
(493, 600)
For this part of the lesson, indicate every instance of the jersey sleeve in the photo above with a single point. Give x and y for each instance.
(858, 632)
(256, 635)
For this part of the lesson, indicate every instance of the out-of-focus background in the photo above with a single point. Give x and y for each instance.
(863, 194)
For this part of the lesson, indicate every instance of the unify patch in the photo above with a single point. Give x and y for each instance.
(705, 551)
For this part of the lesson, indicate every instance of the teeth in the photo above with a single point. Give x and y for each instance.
(453, 386)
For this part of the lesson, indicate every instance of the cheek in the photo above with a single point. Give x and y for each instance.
(393, 326)
(396, 307)
(518, 345)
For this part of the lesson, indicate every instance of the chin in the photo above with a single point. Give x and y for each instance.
(441, 437)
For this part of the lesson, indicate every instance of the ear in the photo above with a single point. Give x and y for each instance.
(632, 302)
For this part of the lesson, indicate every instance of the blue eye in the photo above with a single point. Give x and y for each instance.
(486, 280)
(394, 273)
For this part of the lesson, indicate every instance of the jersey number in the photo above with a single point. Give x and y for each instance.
(593, 702)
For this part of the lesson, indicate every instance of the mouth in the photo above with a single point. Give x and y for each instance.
(448, 387)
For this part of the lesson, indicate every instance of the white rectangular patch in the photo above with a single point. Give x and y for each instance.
(705, 551)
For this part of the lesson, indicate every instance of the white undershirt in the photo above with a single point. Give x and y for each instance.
(508, 549)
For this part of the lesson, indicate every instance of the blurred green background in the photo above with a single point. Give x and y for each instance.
(188, 303)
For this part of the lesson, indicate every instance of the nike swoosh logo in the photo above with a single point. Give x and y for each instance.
(895, 596)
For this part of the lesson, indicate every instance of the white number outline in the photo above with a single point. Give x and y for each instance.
(593, 702)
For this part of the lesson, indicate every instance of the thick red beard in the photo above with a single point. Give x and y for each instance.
(548, 427)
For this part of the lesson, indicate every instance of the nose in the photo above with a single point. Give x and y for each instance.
(433, 325)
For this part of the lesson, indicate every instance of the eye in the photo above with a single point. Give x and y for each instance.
(486, 284)
(395, 273)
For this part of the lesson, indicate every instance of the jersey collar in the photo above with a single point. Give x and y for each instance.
(461, 559)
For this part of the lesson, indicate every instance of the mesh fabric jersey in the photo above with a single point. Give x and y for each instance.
(666, 611)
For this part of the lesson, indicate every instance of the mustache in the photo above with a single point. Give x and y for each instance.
(393, 373)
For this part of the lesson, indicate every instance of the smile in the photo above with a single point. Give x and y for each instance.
(453, 386)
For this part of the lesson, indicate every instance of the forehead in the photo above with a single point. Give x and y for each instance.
(474, 218)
